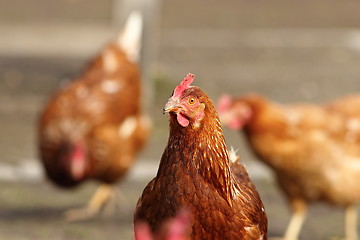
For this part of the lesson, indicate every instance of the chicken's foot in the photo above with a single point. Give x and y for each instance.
(99, 199)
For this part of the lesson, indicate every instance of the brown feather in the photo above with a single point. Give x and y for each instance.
(91, 110)
(195, 173)
(313, 149)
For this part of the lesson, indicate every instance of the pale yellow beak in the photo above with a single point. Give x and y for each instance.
(171, 106)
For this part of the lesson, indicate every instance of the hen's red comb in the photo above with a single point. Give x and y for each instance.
(184, 85)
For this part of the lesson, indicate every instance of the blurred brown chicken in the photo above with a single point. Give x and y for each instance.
(93, 127)
(196, 173)
(313, 150)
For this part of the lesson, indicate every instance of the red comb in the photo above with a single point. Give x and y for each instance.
(184, 85)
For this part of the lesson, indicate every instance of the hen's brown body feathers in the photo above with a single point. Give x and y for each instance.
(313, 150)
(195, 173)
(92, 110)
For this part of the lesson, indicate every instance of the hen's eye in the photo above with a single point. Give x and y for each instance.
(192, 101)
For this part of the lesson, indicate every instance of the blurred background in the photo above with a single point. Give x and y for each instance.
(291, 51)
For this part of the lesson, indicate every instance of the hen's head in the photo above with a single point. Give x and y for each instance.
(187, 104)
(234, 113)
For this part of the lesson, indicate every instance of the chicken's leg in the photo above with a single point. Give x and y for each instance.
(117, 201)
(299, 210)
(295, 225)
(350, 223)
(101, 196)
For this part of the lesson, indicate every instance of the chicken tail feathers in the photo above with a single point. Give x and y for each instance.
(130, 37)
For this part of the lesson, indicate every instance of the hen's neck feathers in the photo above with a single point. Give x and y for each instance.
(201, 150)
(263, 113)
(255, 101)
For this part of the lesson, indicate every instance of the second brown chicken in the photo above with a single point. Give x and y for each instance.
(93, 127)
(314, 151)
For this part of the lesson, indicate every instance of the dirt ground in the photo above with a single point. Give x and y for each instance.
(290, 52)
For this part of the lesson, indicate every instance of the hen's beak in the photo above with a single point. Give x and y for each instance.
(171, 106)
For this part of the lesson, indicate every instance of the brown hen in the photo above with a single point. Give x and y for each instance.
(313, 150)
(196, 173)
(93, 127)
